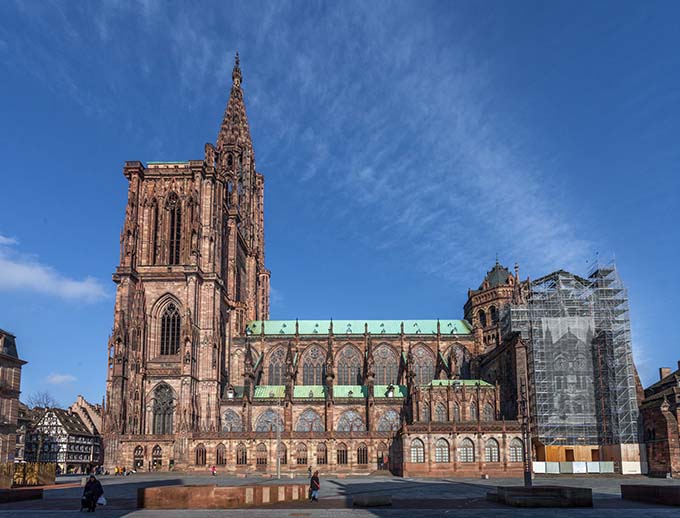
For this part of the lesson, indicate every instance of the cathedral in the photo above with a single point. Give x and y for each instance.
(198, 375)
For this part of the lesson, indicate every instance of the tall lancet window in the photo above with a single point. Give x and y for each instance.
(277, 368)
(154, 233)
(312, 367)
(349, 367)
(175, 228)
(163, 409)
(170, 329)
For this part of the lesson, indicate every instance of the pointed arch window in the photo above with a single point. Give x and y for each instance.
(269, 421)
(516, 450)
(156, 457)
(301, 452)
(491, 451)
(154, 238)
(388, 422)
(482, 318)
(440, 413)
(386, 365)
(232, 422)
(456, 412)
(171, 322)
(321, 453)
(342, 453)
(349, 367)
(473, 412)
(441, 451)
(489, 413)
(221, 454)
(138, 458)
(283, 454)
(241, 454)
(200, 455)
(425, 412)
(423, 365)
(493, 312)
(312, 367)
(417, 451)
(362, 454)
(351, 421)
(261, 455)
(466, 452)
(175, 228)
(309, 421)
(163, 409)
(277, 367)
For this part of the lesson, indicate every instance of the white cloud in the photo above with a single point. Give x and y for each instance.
(7, 241)
(21, 273)
(60, 379)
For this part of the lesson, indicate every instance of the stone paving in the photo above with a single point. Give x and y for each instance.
(431, 497)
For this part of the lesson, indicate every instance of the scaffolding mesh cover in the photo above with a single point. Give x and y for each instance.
(582, 378)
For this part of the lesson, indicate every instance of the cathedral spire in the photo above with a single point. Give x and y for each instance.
(234, 133)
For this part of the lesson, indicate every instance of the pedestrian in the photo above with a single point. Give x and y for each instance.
(309, 472)
(213, 470)
(92, 492)
(314, 487)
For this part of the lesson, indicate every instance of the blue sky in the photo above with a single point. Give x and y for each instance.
(404, 145)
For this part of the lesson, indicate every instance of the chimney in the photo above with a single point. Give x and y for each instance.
(664, 372)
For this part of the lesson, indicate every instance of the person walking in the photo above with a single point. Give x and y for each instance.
(314, 487)
(93, 490)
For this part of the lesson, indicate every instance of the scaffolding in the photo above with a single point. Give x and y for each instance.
(580, 365)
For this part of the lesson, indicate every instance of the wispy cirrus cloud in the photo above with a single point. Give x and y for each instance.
(60, 379)
(22, 273)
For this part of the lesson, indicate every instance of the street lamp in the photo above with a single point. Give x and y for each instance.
(526, 455)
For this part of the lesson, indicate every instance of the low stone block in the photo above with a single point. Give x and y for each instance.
(664, 495)
(371, 500)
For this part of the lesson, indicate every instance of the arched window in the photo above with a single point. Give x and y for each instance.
(200, 455)
(388, 422)
(170, 330)
(241, 454)
(138, 458)
(261, 455)
(425, 412)
(482, 318)
(351, 421)
(230, 160)
(277, 367)
(349, 366)
(456, 412)
(491, 451)
(440, 413)
(269, 421)
(301, 452)
(441, 451)
(516, 450)
(362, 454)
(283, 454)
(423, 365)
(489, 412)
(309, 421)
(175, 227)
(156, 457)
(321, 453)
(383, 456)
(386, 365)
(494, 314)
(232, 422)
(342, 453)
(466, 452)
(417, 451)
(154, 239)
(221, 454)
(473, 412)
(312, 366)
(163, 409)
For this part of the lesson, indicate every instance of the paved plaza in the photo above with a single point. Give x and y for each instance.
(426, 497)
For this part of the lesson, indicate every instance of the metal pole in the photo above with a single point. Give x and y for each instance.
(278, 445)
(526, 458)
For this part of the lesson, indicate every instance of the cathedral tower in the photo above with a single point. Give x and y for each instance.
(191, 275)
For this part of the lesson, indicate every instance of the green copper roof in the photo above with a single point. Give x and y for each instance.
(467, 383)
(400, 391)
(358, 391)
(270, 391)
(357, 327)
(309, 391)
